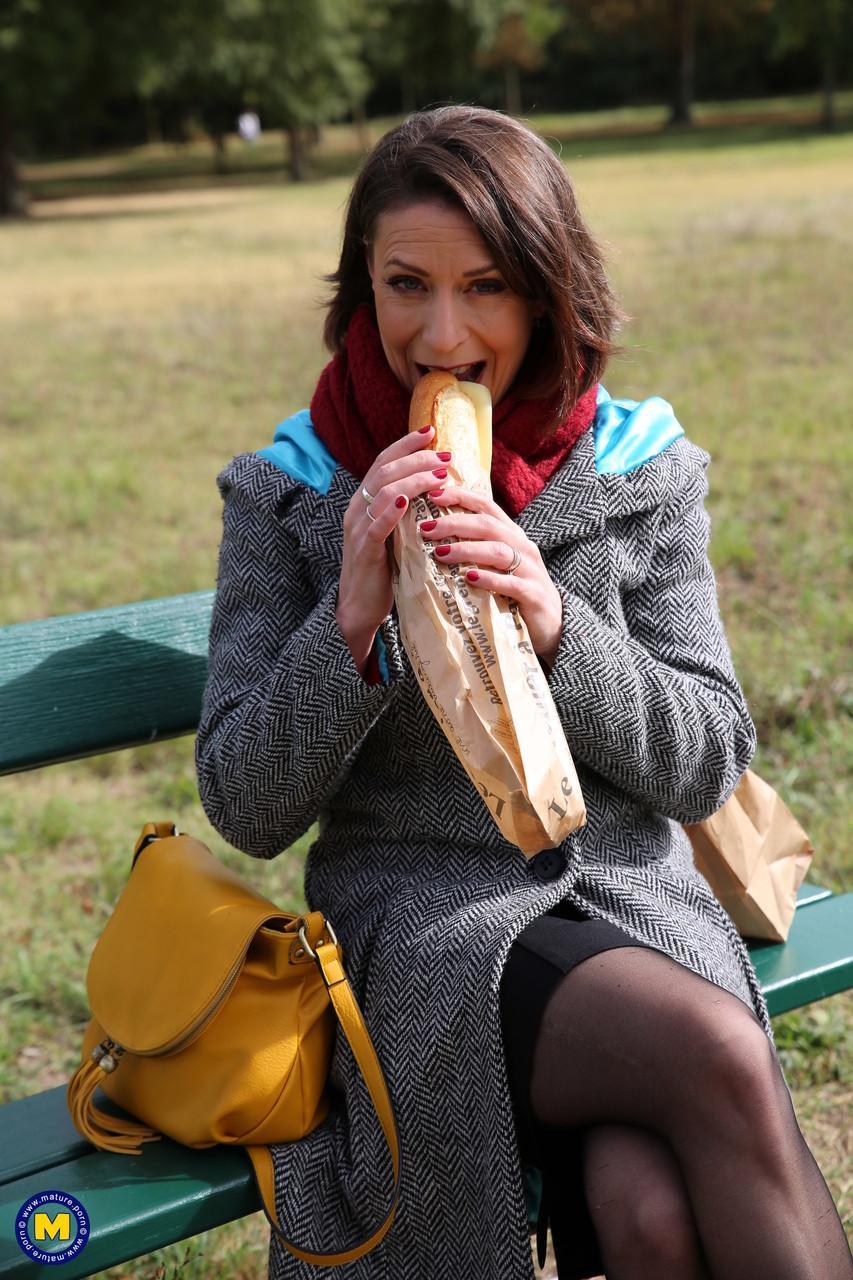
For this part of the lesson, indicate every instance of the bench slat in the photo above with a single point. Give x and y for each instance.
(92, 682)
(810, 893)
(135, 1203)
(37, 1133)
(816, 960)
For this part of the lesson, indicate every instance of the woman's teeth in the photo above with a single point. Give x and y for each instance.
(465, 372)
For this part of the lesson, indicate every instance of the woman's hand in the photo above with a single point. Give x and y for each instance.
(488, 538)
(365, 595)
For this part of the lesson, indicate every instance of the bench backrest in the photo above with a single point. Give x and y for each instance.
(85, 683)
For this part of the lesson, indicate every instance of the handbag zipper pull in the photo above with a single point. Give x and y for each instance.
(107, 1054)
(108, 1132)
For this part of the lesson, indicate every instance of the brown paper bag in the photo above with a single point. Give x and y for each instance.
(754, 855)
(480, 676)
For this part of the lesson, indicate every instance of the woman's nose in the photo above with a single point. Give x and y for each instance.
(445, 329)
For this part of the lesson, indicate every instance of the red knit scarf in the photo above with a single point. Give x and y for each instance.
(359, 408)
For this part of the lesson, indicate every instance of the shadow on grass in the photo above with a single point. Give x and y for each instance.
(194, 173)
(670, 138)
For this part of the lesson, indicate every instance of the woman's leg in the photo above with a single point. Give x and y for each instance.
(630, 1037)
(640, 1206)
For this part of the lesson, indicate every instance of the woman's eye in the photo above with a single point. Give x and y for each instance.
(410, 284)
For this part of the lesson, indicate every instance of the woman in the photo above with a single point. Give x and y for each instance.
(643, 1081)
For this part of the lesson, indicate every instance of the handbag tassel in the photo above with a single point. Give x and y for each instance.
(107, 1132)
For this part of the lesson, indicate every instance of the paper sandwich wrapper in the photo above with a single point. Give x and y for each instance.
(471, 653)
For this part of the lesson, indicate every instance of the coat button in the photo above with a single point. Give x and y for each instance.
(549, 864)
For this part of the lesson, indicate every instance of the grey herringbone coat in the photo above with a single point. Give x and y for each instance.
(424, 893)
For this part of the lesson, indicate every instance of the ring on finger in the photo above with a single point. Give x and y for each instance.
(367, 495)
(370, 514)
(516, 560)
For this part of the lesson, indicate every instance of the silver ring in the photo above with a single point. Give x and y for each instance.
(516, 561)
(366, 494)
(370, 514)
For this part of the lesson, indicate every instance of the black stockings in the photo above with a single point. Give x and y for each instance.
(694, 1165)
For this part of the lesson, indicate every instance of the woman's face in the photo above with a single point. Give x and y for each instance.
(441, 302)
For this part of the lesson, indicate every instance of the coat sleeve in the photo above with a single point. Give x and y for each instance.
(285, 708)
(658, 710)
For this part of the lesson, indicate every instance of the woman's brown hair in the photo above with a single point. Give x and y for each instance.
(521, 200)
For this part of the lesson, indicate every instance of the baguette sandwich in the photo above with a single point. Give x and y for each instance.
(470, 649)
(461, 413)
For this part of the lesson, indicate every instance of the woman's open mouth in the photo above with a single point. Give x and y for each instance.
(464, 372)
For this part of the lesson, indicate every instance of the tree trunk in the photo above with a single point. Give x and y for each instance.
(512, 89)
(295, 153)
(14, 202)
(219, 152)
(827, 74)
(684, 15)
(407, 94)
(359, 116)
(152, 122)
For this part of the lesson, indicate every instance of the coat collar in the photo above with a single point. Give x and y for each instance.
(574, 503)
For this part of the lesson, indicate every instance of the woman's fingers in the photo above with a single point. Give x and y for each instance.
(474, 532)
(470, 500)
(493, 555)
(405, 469)
(479, 531)
(383, 516)
(406, 454)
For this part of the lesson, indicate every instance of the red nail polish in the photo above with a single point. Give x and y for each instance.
(401, 501)
(423, 430)
(435, 493)
(472, 575)
(444, 457)
(440, 473)
(427, 525)
(442, 551)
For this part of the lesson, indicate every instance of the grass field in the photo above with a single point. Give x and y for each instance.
(148, 335)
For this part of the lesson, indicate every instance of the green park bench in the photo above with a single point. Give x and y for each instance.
(93, 682)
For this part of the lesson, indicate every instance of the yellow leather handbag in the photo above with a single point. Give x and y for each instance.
(214, 1020)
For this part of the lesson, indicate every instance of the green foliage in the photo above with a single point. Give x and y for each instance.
(523, 29)
(804, 24)
(815, 1043)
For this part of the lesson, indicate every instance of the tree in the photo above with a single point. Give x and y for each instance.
(33, 52)
(61, 61)
(672, 25)
(428, 46)
(821, 26)
(518, 43)
(301, 60)
(438, 49)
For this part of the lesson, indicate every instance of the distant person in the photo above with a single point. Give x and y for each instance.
(249, 126)
(591, 1010)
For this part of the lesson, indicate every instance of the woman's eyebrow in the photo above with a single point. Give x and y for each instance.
(416, 271)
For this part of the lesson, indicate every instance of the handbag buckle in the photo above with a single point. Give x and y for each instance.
(307, 945)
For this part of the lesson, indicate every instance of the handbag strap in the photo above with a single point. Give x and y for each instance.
(352, 1024)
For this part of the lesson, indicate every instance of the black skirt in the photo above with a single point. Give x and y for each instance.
(540, 956)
